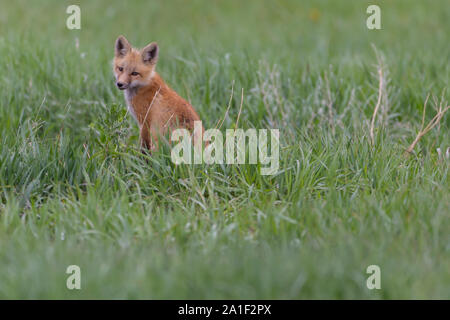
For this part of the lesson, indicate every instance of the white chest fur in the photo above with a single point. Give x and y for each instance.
(129, 94)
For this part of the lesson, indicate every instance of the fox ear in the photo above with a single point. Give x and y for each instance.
(122, 46)
(150, 53)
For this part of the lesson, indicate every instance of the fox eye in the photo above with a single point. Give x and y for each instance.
(134, 73)
(120, 68)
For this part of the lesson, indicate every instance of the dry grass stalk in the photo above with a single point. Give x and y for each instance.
(377, 107)
(228, 108)
(240, 108)
(423, 131)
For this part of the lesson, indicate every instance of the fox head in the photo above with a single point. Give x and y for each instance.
(133, 68)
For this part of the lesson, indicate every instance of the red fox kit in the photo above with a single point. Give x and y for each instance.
(156, 107)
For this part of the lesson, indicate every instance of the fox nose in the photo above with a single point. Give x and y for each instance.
(120, 85)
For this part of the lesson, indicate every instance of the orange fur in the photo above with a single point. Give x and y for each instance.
(157, 108)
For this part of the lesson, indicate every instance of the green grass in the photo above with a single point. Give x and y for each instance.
(74, 188)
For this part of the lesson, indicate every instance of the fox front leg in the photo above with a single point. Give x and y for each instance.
(147, 145)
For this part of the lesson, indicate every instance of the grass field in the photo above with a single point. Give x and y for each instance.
(75, 190)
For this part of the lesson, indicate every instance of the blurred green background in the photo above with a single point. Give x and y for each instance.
(75, 190)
